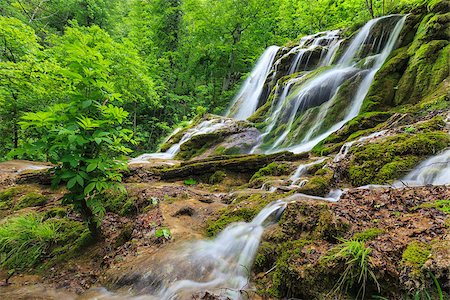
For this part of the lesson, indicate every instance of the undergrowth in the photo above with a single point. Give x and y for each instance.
(355, 257)
(27, 240)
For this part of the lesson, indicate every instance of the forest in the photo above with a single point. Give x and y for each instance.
(226, 149)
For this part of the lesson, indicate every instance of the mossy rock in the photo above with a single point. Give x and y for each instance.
(199, 144)
(390, 158)
(120, 203)
(30, 200)
(217, 177)
(7, 196)
(272, 169)
(319, 184)
(356, 127)
(383, 89)
(416, 82)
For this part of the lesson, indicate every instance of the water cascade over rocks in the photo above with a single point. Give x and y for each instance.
(246, 101)
(435, 170)
(326, 98)
(329, 78)
(346, 147)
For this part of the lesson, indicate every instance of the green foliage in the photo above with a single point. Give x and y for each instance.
(190, 181)
(355, 257)
(85, 136)
(27, 240)
(163, 233)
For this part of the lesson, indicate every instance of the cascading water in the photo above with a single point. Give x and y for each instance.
(220, 265)
(204, 127)
(302, 169)
(319, 99)
(435, 170)
(311, 111)
(246, 101)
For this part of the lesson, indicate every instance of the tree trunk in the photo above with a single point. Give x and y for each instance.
(369, 5)
(89, 218)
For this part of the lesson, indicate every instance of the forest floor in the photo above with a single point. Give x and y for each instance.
(130, 248)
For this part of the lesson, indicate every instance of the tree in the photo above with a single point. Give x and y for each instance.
(86, 135)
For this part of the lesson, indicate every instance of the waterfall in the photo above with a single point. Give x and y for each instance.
(227, 259)
(319, 97)
(435, 170)
(246, 101)
(307, 111)
(204, 127)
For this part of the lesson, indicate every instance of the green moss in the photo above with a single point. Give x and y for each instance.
(354, 128)
(368, 234)
(416, 254)
(266, 256)
(217, 177)
(272, 169)
(30, 200)
(416, 83)
(382, 91)
(442, 205)
(378, 163)
(120, 203)
(285, 278)
(8, 194)
(227, 217)
(320, 184)
(199, 144)
(329, 227)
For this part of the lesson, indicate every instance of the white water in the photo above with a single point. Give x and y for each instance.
(321, 90)
(346, 147)
(204, 127)
(435, 170)
(225, 261)
(246, 101)
(302, 169)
